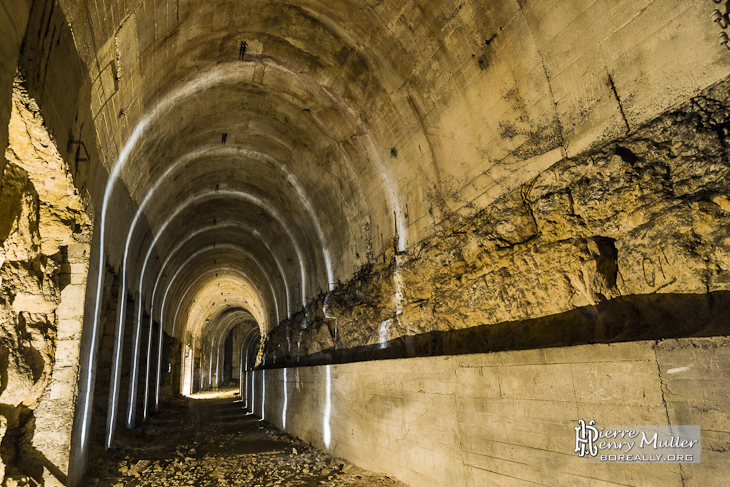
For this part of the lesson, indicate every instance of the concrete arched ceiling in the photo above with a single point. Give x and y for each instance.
(303, 192)
(217, 330)
(202, 297)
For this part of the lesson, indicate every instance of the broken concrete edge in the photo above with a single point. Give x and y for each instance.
(623, 319)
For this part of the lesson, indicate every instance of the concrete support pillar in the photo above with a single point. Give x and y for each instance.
(251, 404)
(54, 416)
(188, 361)
(158, 380)
(240, 375)
(236, 356)
(88, 352)
(247, 391)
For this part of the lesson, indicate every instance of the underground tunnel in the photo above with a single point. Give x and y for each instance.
(367, 243)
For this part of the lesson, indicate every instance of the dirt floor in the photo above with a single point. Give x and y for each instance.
(212, 441)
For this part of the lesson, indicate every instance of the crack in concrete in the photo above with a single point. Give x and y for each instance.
(618, 100)
(662, 387)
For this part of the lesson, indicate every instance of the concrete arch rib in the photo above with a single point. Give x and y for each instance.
(172, 325)
(222, 226)
(223, 193)
(161, 274)
(246, 342)
(230, 318)
(229, 151)
(132, 403)
(195, 337)
(219, 332)
(195, 331)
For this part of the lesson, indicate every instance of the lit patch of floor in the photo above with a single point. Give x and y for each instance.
(223, 393)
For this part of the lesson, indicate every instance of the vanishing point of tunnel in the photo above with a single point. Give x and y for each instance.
(453, 243)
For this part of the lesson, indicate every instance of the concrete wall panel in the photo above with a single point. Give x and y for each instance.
(507, 418)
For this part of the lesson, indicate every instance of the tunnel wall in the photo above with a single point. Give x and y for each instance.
(60, 93)
(628, 241)
(508, 418)
(646, 77)
(44, 249)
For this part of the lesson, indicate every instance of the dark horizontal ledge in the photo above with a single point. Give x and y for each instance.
(624, 319)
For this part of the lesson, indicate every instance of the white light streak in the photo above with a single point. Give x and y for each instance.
(255, 290)
(286, 400)
(678, 369)
(116, 360)
(256, 201)
(219, 226)
(327, 435)
(190, 259)
(244, 379)
(210, 369)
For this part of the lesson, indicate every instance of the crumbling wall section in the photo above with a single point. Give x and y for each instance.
(629, 241)
(44, 250)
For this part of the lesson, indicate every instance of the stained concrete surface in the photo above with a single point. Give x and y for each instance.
(508, 418)
(210, 440)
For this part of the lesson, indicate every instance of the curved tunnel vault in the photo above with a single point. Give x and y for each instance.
(280, 191)
(269, 158)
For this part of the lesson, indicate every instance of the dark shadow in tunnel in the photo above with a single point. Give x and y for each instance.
(624, 319)
(228, 358)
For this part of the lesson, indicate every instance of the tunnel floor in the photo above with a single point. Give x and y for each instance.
(209, 440)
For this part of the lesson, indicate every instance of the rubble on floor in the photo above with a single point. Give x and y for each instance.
(214, 443)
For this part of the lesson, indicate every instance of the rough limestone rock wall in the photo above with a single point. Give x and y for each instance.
(44, 246)
(628, 241)
(13, 21)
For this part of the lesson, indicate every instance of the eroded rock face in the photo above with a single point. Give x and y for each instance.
(600, 233)
(42, 216)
